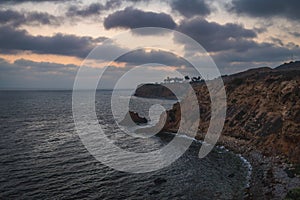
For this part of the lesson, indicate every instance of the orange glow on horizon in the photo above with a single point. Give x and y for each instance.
(43, 58)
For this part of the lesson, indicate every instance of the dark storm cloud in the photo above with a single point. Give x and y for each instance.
(36, 1)
(233, 46)
(261, 54)
(139, 57)
(134, 18)
(13, 40)
(190, 8)
(216, 37)
(92, 9)
(264, 52)
(111, 4)
(267, 8)
(106, 52)
(15, 18)
(11, 17)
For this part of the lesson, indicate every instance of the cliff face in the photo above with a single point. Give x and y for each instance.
(132, 119)
(263, 110)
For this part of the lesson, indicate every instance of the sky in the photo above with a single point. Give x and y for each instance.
(43, 43)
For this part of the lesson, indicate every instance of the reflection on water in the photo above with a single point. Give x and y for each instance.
(42, 157)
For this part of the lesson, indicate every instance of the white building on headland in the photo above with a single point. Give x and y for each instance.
(173, 80)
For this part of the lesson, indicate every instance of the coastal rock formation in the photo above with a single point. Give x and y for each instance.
(133, 118)
(263, 111)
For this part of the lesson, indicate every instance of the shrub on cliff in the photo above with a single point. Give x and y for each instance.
(293, 194)
(237, 81)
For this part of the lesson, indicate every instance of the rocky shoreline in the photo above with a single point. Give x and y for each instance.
(262, 124)
(268, 179)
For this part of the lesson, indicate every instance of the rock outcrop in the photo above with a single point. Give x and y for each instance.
(263, 111)
(132, 119)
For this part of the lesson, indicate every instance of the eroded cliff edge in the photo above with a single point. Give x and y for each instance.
(262, 122)
(263, 110)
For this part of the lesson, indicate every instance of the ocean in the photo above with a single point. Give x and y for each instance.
(42, 156)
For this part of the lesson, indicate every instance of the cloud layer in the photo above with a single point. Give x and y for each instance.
(134, 18)
(25, 1)
(190, 8)
(216, 37)
(13, 41)
(15, 18)
(234, 46)
(267, 8)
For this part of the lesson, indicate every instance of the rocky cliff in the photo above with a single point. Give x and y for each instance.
(263, 111)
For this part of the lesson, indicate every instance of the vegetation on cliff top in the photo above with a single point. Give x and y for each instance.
(263, 109)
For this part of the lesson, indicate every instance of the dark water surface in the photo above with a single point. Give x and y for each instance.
(42, 157)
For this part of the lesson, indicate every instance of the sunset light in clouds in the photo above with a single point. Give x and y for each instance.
(238, 34)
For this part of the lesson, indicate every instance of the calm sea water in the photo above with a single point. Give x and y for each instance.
(42, 157)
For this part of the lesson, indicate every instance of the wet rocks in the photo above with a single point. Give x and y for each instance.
(263, 112)
(133, 118)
